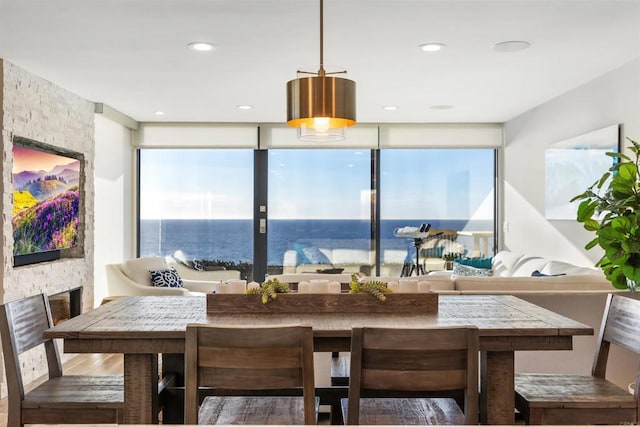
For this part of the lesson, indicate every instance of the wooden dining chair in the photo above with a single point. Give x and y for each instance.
(587, 399)
(384, 361)
(62, 399)
(267, 358)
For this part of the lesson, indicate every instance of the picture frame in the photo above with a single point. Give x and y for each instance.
(574, 164)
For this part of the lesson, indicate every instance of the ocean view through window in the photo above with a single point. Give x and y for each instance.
(320, 210)
(321, 207)
(198, 202)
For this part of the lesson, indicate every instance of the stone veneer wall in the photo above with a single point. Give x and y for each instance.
(34, 108)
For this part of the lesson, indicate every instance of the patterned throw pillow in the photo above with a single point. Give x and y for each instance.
(466, 271)
(168, 278)
(198, 266)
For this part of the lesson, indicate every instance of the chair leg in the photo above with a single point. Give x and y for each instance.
(336, 414)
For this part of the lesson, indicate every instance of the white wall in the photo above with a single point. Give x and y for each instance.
(610, 99)
(113, 190)
(613, 98)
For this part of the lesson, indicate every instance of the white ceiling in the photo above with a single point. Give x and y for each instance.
(132, 54)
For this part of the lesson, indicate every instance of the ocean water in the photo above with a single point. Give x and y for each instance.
(232, 240)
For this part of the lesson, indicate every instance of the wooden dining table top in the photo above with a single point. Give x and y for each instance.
(166, 317)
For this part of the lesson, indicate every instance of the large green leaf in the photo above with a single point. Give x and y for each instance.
(591, 224)
(618, 279)
(615, 154)
(586, 210)
(593, 243)
(631, 268)
(620, 226)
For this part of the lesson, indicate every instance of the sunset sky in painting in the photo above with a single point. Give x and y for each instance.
(32, 160)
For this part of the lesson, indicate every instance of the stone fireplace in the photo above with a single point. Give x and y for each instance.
(36, 109)
(65, 305)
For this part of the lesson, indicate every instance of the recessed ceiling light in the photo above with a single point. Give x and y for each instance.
(510, 46)
(432, 47)
(200, 46)
(244, 107)
(441, 107)
(159, 113)
(390, 107)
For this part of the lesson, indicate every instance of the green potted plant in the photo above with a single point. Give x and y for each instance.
(611, 208)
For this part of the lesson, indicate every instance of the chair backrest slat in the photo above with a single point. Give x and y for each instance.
(225, 357)
(28, 319)
(414, 339)
(250, 379)
(414, 380)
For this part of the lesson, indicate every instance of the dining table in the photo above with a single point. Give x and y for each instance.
(143, 327)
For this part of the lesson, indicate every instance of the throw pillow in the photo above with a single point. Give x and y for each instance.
(475, 262)
(167, 278)
(197, 265)
(538, 274)
(467, 271)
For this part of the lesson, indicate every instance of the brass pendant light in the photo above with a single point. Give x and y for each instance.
(321, 106)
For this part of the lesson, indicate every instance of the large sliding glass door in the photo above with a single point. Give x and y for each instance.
(319, 211)
(196, 205)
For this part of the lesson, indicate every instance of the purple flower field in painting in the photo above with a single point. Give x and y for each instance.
(48, 225)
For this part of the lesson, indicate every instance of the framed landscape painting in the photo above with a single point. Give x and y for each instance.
(46, 202)
(572, 165)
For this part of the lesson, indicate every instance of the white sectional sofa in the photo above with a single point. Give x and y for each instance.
(512, 272)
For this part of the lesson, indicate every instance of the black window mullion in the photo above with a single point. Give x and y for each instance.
(375, 208)
(260, 187)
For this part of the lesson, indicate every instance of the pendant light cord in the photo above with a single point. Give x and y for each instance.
(321, 72)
